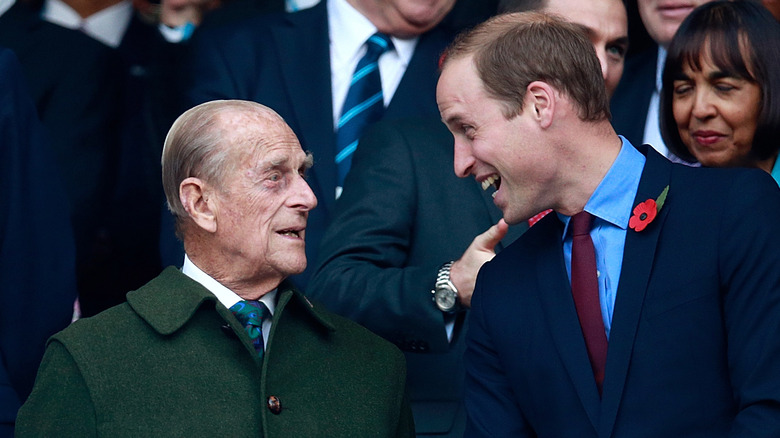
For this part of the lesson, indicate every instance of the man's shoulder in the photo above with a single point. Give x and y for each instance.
(345, 334)
(157, 297)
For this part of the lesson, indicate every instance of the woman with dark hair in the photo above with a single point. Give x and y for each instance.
(720, 101)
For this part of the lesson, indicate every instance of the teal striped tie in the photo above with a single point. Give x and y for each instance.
(364, 103)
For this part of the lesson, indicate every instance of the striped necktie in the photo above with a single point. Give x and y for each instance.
(251, 315)
(364, 103)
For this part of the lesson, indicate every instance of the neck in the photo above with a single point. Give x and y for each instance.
(85, 8)
(588, 157)
(768, 164)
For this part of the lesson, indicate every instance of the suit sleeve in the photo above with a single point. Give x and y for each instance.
(363, 271)
(749, 260)
(60, 404)
(491, 408)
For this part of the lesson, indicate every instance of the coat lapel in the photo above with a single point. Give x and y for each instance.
(303, 42)
(558, 304)
(638, 257)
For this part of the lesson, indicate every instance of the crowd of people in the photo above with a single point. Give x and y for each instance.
(316, 197)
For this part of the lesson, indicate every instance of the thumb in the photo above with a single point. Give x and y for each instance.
(490, 238)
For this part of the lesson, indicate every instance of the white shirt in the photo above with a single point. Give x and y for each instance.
(349, 30)
(226, 296)
(107, 26)
(6, 5)
(652, 134)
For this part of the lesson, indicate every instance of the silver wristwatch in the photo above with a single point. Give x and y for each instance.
(445, 294)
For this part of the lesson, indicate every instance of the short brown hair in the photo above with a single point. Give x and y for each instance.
(512, 50)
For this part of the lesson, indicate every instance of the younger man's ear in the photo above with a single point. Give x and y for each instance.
(540, 98)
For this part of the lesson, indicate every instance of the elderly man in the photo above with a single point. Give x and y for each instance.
(647, 304)
(329, 71)
(174, 361)
(404, 217)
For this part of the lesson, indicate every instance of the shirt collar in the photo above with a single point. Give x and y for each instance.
(349, 31)
(225, 296)
(6, 5)
(659, 68)
(107, 26)
(613, 199)
(776, 171)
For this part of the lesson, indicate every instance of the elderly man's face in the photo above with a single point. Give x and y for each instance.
(607, 26)
(404, 18)
(503, 153)
(263, 206)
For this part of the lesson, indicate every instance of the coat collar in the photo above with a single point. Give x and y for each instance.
(168, 302)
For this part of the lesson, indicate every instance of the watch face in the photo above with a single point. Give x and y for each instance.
(445, 299)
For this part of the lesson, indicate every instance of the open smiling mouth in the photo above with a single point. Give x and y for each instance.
(492, 181)
(291, 233)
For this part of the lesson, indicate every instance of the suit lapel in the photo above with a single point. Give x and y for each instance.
(555, 295)
(304, 56)
(638, 257)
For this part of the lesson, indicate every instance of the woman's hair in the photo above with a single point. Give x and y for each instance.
(743, 39)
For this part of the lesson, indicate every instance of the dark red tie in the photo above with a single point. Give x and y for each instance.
(585, 289)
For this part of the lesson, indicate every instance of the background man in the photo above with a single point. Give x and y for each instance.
(404, 214)
(302, 65)
(660, 323)
(37, 252)
(174, 358)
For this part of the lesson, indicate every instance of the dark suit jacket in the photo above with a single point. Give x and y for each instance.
(403, 214)
(72, 80)
(173, 361)
(695, 339)
(283, 62)
(631, 100)
(37, 253)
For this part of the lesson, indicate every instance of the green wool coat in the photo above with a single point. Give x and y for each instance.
(173, 361)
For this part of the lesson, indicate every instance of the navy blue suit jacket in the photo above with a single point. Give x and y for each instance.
(283, 61)
(695, 341)
(37, 253)
(402, 215)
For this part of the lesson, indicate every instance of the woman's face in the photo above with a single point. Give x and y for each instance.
(716, 114)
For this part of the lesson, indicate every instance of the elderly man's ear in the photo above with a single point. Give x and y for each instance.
(198, 200)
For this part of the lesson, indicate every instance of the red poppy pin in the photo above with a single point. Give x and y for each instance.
(645, 212)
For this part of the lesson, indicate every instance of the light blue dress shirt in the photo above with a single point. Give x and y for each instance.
(611, 205)
(776, 171)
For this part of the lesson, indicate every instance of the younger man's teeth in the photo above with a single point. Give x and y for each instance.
(489, 182)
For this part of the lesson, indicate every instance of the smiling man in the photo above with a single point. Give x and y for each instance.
(226, 347)
(647, 305)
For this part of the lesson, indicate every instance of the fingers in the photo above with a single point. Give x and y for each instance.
(490, 238)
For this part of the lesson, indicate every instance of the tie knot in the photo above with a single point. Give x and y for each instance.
(580, 223)
(250, 312)
(378, 44)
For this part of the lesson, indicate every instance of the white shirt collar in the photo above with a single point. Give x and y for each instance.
(107, 26)
(349, 30)
(6, 5)
(659, 68)
(225, 296)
